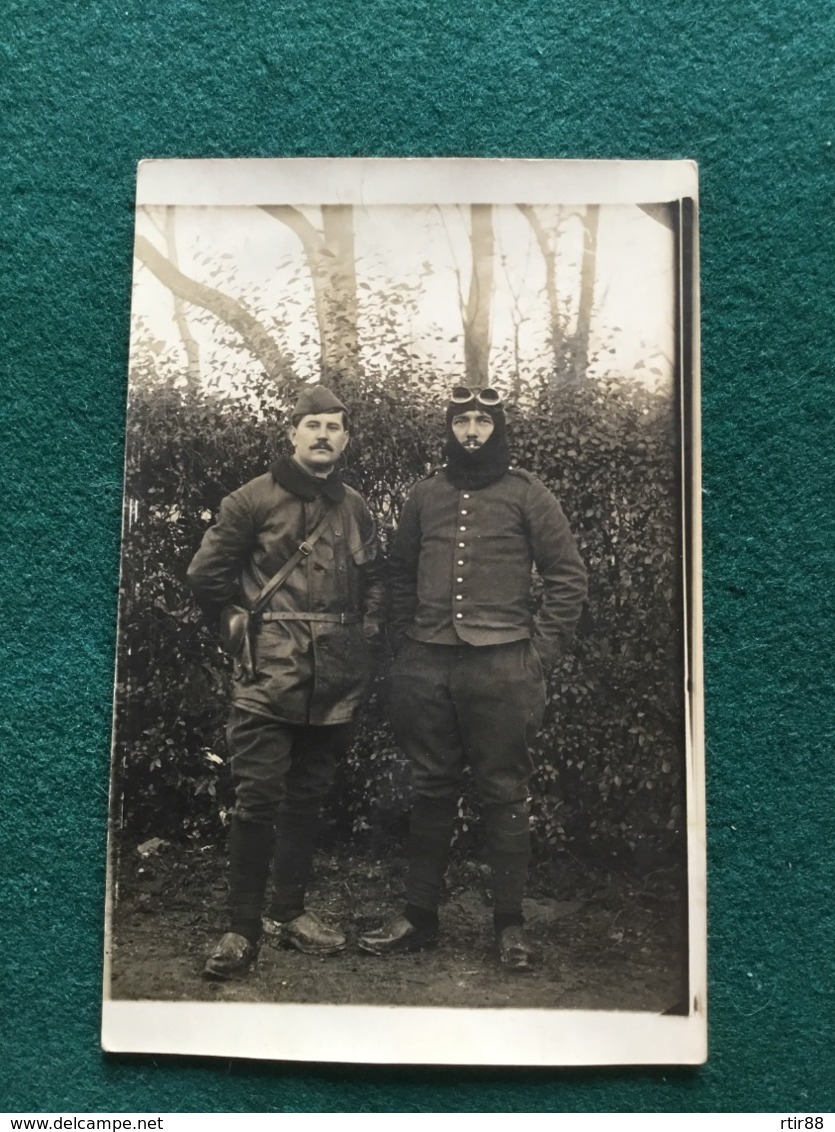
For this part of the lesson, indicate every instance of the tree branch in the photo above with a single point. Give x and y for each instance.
(538, 230)
(330, 260)
(297, 222)
(313, 245)
(256, 339)
(189, 342)
(549, 256)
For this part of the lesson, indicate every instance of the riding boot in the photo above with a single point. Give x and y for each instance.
(430, 834)
(296, 834)
(508, 837)
(250, 853)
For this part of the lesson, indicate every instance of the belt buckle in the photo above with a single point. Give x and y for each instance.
(306, 549)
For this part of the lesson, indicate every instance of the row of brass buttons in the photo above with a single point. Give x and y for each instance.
(460, 597)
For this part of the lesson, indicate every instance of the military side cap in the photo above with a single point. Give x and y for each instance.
(317, 399)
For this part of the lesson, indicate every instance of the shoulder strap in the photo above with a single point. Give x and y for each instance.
(278, 579)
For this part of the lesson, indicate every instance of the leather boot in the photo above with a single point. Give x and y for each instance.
(296, 834)
(396, 935)
(232, 955)
(508, 837)
(516, 952)
(306, 933)
(250, 853)
(430, 834)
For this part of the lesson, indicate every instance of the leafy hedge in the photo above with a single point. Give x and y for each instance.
(611, 752)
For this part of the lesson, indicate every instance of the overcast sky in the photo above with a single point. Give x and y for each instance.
(248, 254)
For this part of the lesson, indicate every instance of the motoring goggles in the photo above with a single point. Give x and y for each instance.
(461, 395)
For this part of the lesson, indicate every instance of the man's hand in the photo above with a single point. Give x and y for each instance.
(548, 654)
(372, 630)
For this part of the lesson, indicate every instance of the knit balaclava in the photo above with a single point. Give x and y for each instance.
(470, 470)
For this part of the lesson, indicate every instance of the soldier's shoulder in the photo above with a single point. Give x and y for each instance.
(534, 488)
(255, 488)
(424, 488)
(430, 477)
(355, 499)
(527, 482)
(523, 474)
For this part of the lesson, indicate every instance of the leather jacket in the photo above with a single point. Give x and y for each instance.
(308, 671)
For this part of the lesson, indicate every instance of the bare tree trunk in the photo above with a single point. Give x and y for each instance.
(340, 350)
(332, 266)
(556, 329)
(476, 315)
(580, 351)
(189, 342)
(228, 310)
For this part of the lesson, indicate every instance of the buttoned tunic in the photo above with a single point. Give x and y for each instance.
(309, 672)
(461, 565)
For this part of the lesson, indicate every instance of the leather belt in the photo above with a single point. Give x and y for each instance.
(335, 618)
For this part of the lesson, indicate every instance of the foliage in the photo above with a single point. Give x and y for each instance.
(610, 778)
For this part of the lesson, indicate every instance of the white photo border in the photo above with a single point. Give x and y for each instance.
(455, 1036)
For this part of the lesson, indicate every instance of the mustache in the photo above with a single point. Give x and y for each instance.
(323, 444)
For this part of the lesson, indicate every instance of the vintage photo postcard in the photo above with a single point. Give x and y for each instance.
(408, 757)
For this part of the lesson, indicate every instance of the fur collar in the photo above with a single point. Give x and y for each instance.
(295, 479)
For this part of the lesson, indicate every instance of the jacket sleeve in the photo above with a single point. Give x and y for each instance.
(368, 556)
(561, 569)
(215, 571)
(403, 569)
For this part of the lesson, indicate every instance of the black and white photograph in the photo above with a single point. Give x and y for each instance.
(408, 753)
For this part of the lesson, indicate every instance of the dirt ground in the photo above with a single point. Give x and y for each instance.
(607, 942)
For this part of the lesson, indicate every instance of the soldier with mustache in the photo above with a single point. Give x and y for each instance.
(292, 572)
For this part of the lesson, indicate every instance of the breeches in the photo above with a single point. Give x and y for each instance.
(454, 705)
(281, 768)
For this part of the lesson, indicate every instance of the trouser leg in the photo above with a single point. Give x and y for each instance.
(430, 833)
(260, 760)
(426, 726)
(313, 761)
(250, 853)
(500, 697)
(295, 843)
(508, 838)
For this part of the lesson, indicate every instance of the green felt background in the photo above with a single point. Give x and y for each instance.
(743, 86)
